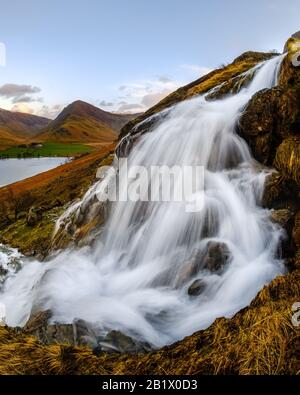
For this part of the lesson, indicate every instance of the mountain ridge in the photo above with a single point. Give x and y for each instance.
(83, 122)
(77, 122)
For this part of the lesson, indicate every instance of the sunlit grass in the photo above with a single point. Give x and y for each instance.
(47, 149)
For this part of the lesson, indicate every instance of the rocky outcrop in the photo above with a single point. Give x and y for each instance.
(294, 38)
(270, 116)
(81, 333)
(287, 158)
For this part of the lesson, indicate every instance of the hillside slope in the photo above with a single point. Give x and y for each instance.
(21, 125)
(8, 139)
(82, 122)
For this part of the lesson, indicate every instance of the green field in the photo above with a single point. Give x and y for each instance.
(47, 150)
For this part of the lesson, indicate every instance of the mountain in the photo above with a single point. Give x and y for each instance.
(20, 125)
(83, 122)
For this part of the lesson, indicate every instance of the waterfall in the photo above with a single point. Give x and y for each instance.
(140, 274)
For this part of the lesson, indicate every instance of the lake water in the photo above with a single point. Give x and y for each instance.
(13, 170)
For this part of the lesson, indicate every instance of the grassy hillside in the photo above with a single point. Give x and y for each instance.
(48, 149)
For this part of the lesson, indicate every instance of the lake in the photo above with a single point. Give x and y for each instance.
(13, 170)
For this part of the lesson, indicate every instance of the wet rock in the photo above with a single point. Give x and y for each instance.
(197, 287)
(57, 333)
(189, 268)
(81, 332)
(37, 321)
(116, 341)
(282, 217)
(38, 325)
(85, 334)
(213, 258)
(216, 257)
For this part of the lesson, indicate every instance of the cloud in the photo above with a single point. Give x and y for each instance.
(153, 98)
(15, 90)
(131, 107)
(164, 78)
(50, 112)
(105, 103)
(199, 70)
(141, 95)
(27, 99)
(20, 107)
(20, 93)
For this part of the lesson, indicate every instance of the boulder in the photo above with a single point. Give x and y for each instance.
(37, 320)
(116, 341)
(216, 257)
(197, 287)
(279, 192)
(270, 116)
(294, 37)
(287, 159)
(282, 217)
(290, 70)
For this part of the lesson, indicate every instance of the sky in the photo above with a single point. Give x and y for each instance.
(126, 55)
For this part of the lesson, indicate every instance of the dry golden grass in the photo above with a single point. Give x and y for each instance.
(260, 339)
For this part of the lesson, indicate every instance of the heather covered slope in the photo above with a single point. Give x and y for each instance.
(260, 339)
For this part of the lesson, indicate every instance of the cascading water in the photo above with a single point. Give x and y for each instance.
(136, 276)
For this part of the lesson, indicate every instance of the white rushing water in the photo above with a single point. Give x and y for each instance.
(136, 276)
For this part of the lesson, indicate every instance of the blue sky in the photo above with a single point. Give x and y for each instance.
(125, 55)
